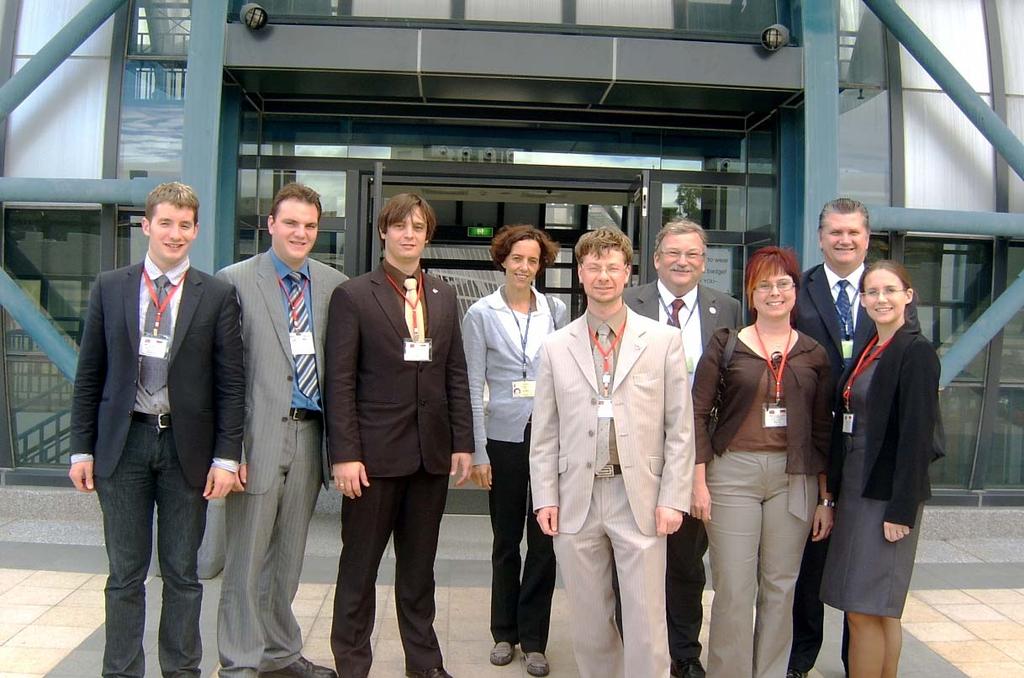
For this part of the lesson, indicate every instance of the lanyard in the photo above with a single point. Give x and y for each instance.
(293, 311)
(419, 300)
(777, 376)
(523, 336)
(606, 356)
(668, 312)
(160, 307)
(866, 358)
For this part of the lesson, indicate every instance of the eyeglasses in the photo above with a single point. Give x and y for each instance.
(783, 285)
(612, 270)
(887, 291)
(692, 255)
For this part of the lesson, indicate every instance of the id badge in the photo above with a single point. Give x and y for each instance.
(604, 408)
(774, 416)
(847, 422)
(689, 365)
(302, 343)
(154, 346)
(847, 346)
(524, 388)
(417, 351)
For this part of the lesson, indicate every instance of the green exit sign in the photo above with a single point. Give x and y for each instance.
(479, 231)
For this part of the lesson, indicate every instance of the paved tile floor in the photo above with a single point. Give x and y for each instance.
(50, 624)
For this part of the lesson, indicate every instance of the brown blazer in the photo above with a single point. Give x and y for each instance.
(392, 415)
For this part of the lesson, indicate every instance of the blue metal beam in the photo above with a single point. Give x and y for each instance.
(820, 29)
(55, 344)
(201, 145)
(102, 191)
(951, 82)
(982, 330)
(1000, 224)
(54, 52)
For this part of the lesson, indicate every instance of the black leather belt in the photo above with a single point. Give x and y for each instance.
(160, 421)
(608, 470)
(299, 414)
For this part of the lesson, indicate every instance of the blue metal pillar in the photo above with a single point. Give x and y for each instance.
(54, 52)
(54, 343)
(791, 178)
(820, 29)
(230, 131)
(999, 224)
(951, 82)
(982, 330)
(102, 191)
(201, 145)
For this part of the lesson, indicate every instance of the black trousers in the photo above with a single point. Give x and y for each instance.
(809, 611)
(520, 605)
(410, 507)
(684, 586)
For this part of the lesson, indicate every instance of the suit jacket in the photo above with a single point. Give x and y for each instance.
(717, 309)
(269, 365)
(205, 379)
(392, 415)
(653, 422)
(901, 418)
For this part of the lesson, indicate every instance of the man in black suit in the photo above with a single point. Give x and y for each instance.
(678, 299)
(156, 420)
(399, 424)
(828, 310)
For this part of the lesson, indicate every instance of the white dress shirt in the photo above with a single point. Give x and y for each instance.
(689, 323)
(852, 289)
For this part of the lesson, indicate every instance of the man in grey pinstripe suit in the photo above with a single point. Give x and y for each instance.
(284, 296)
(611, 464)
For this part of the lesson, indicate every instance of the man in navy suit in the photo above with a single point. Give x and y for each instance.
(828, 310)
(156, 421)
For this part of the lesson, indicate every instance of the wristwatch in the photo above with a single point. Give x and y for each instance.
(827, 503)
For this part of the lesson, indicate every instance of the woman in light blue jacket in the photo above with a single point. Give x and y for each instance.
(502, 334)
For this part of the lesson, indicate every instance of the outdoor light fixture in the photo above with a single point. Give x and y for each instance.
(774, 37)
(254, 16)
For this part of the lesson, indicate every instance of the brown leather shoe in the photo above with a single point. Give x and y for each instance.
(301, 668)
(502, 653)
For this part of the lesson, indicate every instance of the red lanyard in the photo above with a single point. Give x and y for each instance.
(419, 299)
(293, 310)
(866, 358)
(607, 355)
(777, 376)
(160, 307)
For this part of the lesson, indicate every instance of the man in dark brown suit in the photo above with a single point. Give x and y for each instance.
(399, 424)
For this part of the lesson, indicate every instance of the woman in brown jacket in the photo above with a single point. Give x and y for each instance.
(761, 468)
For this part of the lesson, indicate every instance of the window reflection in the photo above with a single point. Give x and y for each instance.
(961, 412)
(152, 119)
(160, 28)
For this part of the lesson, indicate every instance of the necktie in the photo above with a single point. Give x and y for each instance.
(603, 425)
(677, 305)
(845, 310)
(153, 371)
(305, 364)
(413, 310)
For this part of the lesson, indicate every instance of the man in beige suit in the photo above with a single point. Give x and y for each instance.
(611, 464)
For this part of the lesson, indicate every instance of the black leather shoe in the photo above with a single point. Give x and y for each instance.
(795, 673)
(688, 668)
(436, 672)
(301, 668)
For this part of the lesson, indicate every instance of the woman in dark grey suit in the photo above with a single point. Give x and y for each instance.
(882, 443)
(502, 334)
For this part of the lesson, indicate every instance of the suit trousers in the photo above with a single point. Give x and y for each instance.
(684, 588)
(410, 508)
(147, 475)
(520, 607)
(256, 628)
(756, 546)
(610, 538)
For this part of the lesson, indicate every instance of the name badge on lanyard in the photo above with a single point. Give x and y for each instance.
(774, 416)
(155, 346)
(847, 422)
(524, 388)
(417, 351)
(302, 343)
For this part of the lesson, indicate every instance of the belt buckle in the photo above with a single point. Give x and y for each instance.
(295, 414)
(606, 471)
(163, 421)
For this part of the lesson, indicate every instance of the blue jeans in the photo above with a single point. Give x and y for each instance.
(149, 475)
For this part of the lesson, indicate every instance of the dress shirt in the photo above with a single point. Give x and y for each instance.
(852, 290)
(399, 277)
(606, 444)
(299, 399)
(689, 323)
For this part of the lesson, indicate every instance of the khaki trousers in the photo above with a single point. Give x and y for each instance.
(756, 543)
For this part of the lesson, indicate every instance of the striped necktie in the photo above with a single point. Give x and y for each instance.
(305, 365)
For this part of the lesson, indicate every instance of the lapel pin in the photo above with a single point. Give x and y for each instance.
(712, 310)
(434, 290)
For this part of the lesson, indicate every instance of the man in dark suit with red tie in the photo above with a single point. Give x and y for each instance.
(399, 424)
(156, 422)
